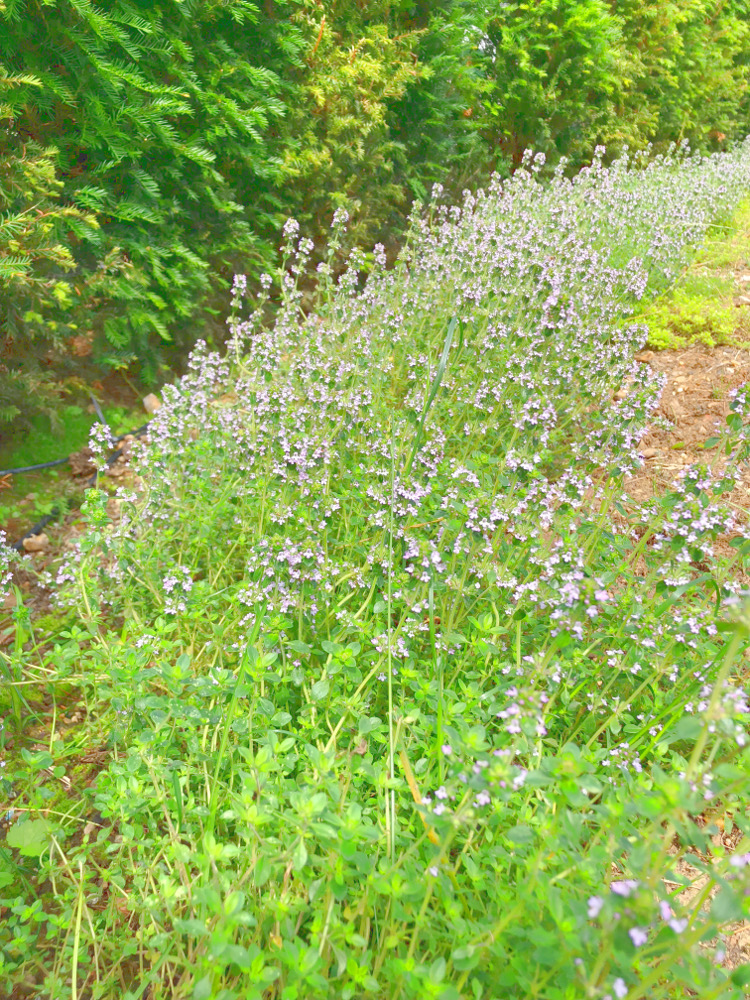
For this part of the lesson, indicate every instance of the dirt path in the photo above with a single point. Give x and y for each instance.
(695, 402)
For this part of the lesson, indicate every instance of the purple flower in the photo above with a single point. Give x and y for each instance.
(101, 443)
(595, 906)
(638, 935)
(665, 909)
(625, 887)
(619, 987)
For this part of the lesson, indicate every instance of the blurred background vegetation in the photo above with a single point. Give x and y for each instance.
(150, 149)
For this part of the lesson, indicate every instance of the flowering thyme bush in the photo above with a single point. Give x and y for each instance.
(7, 557)
(409, 697)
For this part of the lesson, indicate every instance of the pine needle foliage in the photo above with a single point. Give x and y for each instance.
(153, 109)
(39, 314)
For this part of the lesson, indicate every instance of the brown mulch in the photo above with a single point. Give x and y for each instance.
(695, 402)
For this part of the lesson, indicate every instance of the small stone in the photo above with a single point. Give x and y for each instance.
(743, 300)
(644, 357)
(81, 463)
(649, 453)
(151, 403)
(36, 543)
(621, 394)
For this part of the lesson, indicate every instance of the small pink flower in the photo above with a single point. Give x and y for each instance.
(638, 935)
(625, 887)
(619, 988)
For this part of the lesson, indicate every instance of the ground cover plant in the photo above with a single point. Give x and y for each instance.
(376, 682)
(701, 307)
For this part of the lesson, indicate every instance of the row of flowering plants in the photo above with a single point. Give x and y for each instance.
(406, 694)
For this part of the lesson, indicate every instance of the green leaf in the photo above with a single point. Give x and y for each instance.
(299, 857)
(366, 725)
(727, 905)
(466, 957)
(520, 834)
(741, 975)
(195, 928)
(688, 728)
(39, 761)
(320, 690)
(437, 971)
(30, 837)
(300, 647)
(204, 988)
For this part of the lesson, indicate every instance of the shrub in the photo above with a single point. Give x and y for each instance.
(551, 70)
(688, 320)
(154, 111)
(684, 75)
(39, 314)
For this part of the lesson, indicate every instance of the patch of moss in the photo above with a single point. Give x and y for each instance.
(699, 308)
(690, 319)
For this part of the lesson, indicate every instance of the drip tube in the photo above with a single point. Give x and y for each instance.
(55, 512)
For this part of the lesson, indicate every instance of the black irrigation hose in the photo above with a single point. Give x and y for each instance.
(55, 512)
(62, 461)
(33, 468)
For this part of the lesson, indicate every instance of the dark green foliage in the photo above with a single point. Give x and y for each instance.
(340, 148)
(550, 69)
(685, 74)
(40, 314)
(155, 109)
(564, 75)
(435, 120)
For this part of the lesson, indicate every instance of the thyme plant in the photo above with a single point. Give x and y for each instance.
(406, 696)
